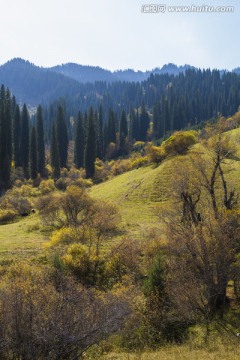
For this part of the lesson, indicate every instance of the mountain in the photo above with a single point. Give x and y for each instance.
(33, 85)
(85, 74)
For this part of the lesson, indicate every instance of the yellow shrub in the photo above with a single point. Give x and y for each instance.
(156, 154)
(179, 142)
(47, 186)
(63, 236)
(7, 216)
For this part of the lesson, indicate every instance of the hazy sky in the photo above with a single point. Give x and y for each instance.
(116, 34)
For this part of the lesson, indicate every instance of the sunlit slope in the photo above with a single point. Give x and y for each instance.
(137, 192)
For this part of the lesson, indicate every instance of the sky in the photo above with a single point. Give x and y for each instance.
(119, 34)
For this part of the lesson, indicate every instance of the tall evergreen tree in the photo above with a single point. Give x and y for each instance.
(79, 144)
(62, 137)
(111, 127)
(90, 150)
(135, 126)
(33, 154)
(5, 137)
(25, 141)
(40, 142)
(100, 137)
(123, 130)
(54, 154)
(144, 122)
(17, 137)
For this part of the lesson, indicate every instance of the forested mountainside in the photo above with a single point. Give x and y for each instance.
(91, 74)
(33, 85)
(171, 102)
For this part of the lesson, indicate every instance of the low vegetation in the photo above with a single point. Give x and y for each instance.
(140, 261)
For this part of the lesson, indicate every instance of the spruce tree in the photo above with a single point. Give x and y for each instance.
(101, 146)
(40, 142)
(135, 126)
(79, 144)
(25, 141)
(33, 154)
(62, 137)
(17, 137)
(54, 154)
(123, 130)
(111, 127)
(90, 150)
(144, 122)
(5, 137)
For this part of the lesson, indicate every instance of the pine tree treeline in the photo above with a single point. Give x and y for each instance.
(108, 124)
(188, 98)
(20, 144)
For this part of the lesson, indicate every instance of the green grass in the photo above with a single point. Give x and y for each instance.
(135, 193)
(182, 352)
(21, 239)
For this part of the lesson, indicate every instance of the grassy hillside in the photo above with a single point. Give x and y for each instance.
(137, 192)
(21, 239)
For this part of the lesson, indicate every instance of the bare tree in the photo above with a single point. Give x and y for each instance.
(39, 322)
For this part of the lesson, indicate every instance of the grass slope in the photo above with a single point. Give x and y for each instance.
(135, 193)
(21, 239)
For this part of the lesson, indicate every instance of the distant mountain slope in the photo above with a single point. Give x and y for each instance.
(33, 85)
(86, 74)
(83, 73)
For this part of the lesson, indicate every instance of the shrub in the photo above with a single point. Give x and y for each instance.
(88, 269)
(139, 146)
(7, 216)
(179, 142)
(139, 162)
(15, 200)
(46, 186)
(120, 166)
(38, 321)
(156, 154)
(49, 209)
(62, 236)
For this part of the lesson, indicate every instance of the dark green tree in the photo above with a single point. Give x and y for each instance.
(25, 141)
(111, 127)
(62, 137)
(5, 137)
(54, 154)
(40, 142)
(17, 137)
(79, 144)
(100, 151)
(90, 150)
(123, 131)
(33, 154)
(144, 122)
(135, 125)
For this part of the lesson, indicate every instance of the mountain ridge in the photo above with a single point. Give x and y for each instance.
(34, 84)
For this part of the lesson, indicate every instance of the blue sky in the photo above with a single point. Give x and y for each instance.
(115, 34)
